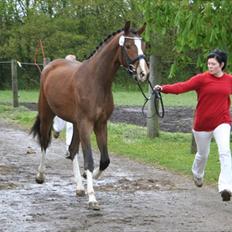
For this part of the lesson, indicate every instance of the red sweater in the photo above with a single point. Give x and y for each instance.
(213, 99)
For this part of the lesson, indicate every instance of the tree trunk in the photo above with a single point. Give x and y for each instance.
(155, 78)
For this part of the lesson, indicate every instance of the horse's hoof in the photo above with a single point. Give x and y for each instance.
(80, 193)
(94, 205)
(39, 178)
(96, 173)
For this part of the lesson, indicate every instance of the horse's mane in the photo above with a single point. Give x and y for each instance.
(107, 39)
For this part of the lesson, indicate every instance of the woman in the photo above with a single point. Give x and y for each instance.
(211, 119)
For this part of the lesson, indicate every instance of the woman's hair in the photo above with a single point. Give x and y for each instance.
(220, 56)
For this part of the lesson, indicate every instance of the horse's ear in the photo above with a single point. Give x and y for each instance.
(142, 29)
(127, 27)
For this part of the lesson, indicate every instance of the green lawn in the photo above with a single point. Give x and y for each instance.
(129, 98)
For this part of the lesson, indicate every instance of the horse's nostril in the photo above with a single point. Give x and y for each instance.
(142, 74)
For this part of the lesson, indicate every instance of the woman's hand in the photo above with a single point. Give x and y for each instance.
(158, 88)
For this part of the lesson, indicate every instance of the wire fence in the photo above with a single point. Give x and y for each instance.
(28, 74)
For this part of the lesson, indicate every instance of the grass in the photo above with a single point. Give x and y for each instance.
(6, 96)
(170, 150)
(131, 98)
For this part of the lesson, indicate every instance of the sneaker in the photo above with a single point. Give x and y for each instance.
(225, 194)
(56, 134)
(198, 181)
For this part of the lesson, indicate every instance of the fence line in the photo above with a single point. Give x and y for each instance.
(21, 73)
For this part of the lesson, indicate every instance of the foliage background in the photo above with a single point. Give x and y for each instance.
(181, 32)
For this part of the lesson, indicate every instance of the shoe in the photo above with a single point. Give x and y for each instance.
(225, 194)
(198, 181)
(56, 134)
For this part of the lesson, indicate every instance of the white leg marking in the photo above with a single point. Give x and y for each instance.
(41, 169)
(77, 176)
(90, 189)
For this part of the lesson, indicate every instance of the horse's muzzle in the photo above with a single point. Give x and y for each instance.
(142, 75)
(142, 70)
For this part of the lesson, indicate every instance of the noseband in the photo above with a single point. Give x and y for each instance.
(129, 62)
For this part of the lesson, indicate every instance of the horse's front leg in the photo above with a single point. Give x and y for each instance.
(73, 153)
(101, 136)
(85, 132)
(80, 190)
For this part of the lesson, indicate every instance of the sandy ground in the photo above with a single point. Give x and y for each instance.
(132, 196)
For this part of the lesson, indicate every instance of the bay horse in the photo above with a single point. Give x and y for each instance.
(81, 93)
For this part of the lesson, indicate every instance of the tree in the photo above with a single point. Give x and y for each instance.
(188, 29)
(64, 26)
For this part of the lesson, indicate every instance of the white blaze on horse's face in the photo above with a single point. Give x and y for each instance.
(142, 69)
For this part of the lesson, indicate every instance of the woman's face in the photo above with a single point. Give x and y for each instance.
(214, 66)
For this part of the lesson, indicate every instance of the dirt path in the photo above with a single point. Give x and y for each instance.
(133, 197)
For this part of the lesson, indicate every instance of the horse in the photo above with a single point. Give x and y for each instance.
(81, 93)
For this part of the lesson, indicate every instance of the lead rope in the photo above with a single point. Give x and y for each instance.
(157, 101)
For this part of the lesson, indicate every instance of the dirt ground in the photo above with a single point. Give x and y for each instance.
(133, 197)
(175, 118)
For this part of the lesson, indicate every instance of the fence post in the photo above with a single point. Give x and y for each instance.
(14, 83)
(155, 78)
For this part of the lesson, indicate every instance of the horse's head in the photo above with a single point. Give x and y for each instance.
(132, 52)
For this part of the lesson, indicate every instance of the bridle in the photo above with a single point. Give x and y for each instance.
(128, 61)
(155, 95)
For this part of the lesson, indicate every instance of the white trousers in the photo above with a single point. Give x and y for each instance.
(222, 138)
(59, 124)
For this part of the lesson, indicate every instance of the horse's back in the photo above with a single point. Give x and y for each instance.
(59, 66)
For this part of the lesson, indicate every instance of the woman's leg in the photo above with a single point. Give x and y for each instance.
(69, 134)
(222, 137)
(58, 126)
(202, 139)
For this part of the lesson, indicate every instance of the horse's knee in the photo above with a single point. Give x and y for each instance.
(104, 164)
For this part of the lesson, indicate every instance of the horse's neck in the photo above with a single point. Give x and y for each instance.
(105, 62)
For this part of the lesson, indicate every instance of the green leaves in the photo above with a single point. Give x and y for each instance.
(184, 29)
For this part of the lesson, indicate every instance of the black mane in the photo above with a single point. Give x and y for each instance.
(106, 39)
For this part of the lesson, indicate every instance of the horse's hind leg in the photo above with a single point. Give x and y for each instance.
(46, 119)
(101, 136)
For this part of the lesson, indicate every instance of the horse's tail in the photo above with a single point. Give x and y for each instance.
(44, 141)
(35, 130)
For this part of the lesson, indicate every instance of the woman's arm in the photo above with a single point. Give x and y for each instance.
(180, 87)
